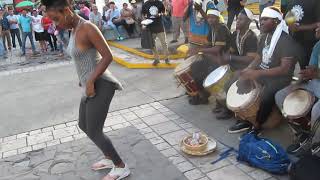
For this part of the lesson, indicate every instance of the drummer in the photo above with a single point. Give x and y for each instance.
(243, 50)
(219, 42)
(311, 77)
(273, 67)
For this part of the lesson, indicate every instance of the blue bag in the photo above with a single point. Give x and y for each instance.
(263, 154)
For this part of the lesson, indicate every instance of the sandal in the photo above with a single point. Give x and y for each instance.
(102, 164)
(118, 173)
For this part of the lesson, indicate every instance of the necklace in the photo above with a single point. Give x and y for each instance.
(240, 41)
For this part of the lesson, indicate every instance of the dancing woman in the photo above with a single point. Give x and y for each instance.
(91, 55)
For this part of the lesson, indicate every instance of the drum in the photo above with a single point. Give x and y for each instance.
(246, 105)
(183, 75)
(297, 107)
(214, 83)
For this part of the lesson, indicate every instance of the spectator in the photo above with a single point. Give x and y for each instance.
(38, 30)
(153, 9)
(137, 15)
(166, 16)
(265, 3)
(105, 7)
(42, 9)
(178, 8)
(127, 19)
(25, 26)
(307, 15)
(112, 17)
(137, 10)
(14, 28)
(84, 9)
(49, 35)
(95, 17)
(2, 51)
(5, 30)
(233, 7)
(61, 40)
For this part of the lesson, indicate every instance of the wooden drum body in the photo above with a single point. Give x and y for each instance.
(183, 75)
(245, 106)
(297, 107)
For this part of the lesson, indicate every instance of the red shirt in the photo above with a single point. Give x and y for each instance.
(178, 7)
(46, 22)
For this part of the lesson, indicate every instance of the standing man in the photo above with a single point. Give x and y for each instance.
(38, 30)
(307, 14)
(5, 30)
(14, 28)
(25, 25)
(265, 3)
(137, 14)
(233, 7)
(178, 9)
(154, 9)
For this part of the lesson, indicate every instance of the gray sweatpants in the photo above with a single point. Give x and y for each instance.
(312, 86)
(92, 115)
(179, 24)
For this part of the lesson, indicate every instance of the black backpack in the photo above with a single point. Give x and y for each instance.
(307, 168)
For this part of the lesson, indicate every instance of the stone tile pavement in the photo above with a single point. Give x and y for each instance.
(147, 136)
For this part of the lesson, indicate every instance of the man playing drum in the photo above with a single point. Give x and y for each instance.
(219, 42)
(311, 77)
(273, 67)
(242, 52)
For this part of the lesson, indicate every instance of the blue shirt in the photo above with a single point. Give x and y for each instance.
(114, 14)
(25, 22)
(315, 56)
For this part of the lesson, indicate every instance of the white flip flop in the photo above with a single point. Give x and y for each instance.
(120, 173)
(105, 164)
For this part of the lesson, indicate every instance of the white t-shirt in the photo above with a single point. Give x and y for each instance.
(13, 18)
(36, 24)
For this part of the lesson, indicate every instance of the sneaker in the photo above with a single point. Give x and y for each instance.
(167, 61)
(118, 173)
(315, 148)
(302, 140)
(252, 130)
(240, 126)
(173, 41)
(155, 62)
(225, 114)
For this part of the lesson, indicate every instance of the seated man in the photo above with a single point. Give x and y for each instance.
(111, 16)
(273, 67)
(242, 52)
(311, 77)
(219, 42)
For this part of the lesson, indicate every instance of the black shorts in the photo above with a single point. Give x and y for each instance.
(39, 36)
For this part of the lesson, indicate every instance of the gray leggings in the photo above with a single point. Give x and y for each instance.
(92, 114)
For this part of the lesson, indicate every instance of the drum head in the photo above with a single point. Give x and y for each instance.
(185, 64)
(215, 76)
(236, 101)
(298, 103)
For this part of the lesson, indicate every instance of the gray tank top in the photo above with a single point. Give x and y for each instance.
(86, 62)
